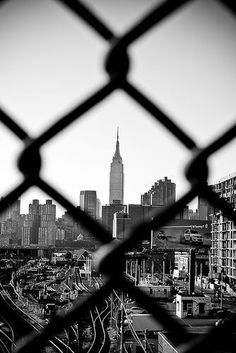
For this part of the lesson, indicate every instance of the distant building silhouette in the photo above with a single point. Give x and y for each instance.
(99, 209)
(47, 229)
(11, 211)
(116, 195)
(162, 193)
(35, 221)
(88, 202)
(108, 212)
(116, 190)
(10, 229)
(140, 213)
(69, 231)
(39, 225)
(121, 225)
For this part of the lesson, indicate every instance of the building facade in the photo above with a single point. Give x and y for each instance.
(108, 212)
(47, 229)
(116, 194)
(162, 193)
(11, 212)
(194, 305)
(121, 225)
(99, 209)
(10, 220)
(223, 246)
(39, 226)
(89, 202)
(69, 231)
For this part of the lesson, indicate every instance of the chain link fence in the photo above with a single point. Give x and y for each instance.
(110, 256)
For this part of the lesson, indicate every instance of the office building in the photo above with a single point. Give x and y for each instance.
(121, 225)
(68, 231)
(39, 225)
(140, 213)
(88, 202)
(108, 212)
(26, 230)
(162, 193)
(204, 208)
(34, 217)
(116, 195)
(47, 228)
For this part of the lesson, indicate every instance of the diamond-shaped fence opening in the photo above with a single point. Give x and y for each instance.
(110, 255)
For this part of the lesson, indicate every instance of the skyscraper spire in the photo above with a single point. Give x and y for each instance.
(117, 153)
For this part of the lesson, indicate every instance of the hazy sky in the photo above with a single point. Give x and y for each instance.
(50, 61)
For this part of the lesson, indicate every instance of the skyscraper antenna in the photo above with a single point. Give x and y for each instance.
(118, 133)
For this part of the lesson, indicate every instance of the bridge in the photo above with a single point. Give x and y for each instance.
(32, 250)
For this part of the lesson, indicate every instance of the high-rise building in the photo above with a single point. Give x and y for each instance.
(121, 225)
(99, 209)
(108, 212)
(223, 247)
(162, 193)
(39, 225)
(12, 211)
(204, 209)
(139, 214)
(35, 221)
(10, 228)
(47, 229)
(116, 191)
(68, 230)
(116, 195)
(88, 202)
(26, 230)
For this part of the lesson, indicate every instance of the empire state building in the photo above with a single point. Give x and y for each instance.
(117, 177)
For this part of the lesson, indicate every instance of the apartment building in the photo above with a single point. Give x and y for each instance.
(223, 244)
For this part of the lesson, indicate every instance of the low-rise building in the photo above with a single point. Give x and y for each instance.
(58, 258)
(195, 305)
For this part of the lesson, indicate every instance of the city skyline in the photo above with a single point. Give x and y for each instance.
(196, 89)
(94, 211)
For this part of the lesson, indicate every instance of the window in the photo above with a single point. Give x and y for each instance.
(201, 308)
(186, 304)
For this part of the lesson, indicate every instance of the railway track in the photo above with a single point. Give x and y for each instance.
(7, 337)
(100, 322)
(23, 324)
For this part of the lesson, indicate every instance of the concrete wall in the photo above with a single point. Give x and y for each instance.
(183, 304)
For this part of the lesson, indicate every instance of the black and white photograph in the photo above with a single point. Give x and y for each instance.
(117, 176)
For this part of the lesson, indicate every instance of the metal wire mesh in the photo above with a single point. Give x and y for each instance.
(117, 68)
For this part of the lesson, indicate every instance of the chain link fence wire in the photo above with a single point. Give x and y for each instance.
(117, 66)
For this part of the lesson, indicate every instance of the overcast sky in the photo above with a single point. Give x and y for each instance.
(50, 61)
